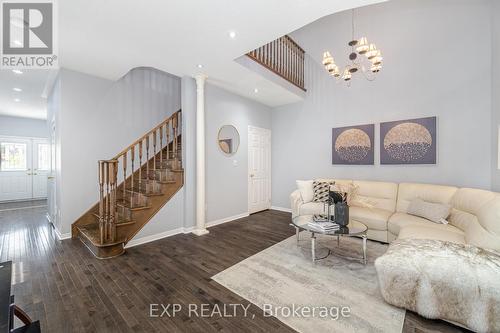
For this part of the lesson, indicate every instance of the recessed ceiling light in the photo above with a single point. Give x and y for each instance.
(256, 90)
(200, 66)
(232, 34)
(17, 89)
(17, 71)
(17, 100)
(18, 43)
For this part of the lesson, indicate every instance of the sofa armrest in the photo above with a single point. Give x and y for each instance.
(295, 202)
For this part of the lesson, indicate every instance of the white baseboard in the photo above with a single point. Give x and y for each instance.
(155, 237)
(227, 219)
(61, 236)
(58, 233)
(281, 209)
(173, 232)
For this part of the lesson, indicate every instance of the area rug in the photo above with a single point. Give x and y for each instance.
(282, 279)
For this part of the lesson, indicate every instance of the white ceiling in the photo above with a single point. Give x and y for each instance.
(108, 38)
(32, 98)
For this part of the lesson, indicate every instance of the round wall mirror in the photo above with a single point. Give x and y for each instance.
(228, 139)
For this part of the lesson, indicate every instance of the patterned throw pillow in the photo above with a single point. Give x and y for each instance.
(321, 190)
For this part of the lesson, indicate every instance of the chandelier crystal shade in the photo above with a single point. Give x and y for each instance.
(365, 57)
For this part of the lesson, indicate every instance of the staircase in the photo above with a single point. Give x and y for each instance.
(133, 187)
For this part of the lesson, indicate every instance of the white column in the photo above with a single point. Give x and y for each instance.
(201, 228)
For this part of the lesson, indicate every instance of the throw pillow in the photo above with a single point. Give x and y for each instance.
(434, 212)
(321, 190)
(353, 199)
(306, 190)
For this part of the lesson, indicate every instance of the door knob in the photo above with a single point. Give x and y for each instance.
(50, 177)
(252, 175)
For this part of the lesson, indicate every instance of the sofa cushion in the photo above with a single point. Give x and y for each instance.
(306, 190)
(477, 213)
(373, 218)
(382, 195)
(420, 231)
(427, 192)
(400, 220)
(312, 208)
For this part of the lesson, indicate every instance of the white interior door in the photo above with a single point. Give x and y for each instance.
(41, 167)
(16, 182)
(259, 169)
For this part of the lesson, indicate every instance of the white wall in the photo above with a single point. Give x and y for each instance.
(495, 123)
(17, 126)
(226, 183)
(437, 57)
(98, 118)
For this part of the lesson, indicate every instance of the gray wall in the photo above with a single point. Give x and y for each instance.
(17, 126)
(495, 123)
(98, 118)
(227, 183)
(437, 63)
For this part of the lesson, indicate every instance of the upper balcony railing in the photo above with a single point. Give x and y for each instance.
(284, 57)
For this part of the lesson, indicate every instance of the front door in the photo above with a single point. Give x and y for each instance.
(259, 169)
(23, 168)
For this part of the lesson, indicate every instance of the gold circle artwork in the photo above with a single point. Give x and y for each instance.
(353, 145)
(407, 142)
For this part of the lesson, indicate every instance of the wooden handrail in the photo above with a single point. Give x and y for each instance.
(283, 57)
(136, 142)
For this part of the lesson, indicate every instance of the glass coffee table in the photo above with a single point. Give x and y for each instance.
(353, 229)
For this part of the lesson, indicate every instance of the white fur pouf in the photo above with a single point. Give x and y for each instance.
(443, 280)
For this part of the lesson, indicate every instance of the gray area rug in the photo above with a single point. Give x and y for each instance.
(284, 276)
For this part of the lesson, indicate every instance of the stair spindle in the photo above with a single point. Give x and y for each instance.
(161, 144)
(140, 164)
(132, 158)
(154, 154)
(168, 141)
(147, 158)
(174, 126)
(107, 209)
(124, 166)
(113, 175)
(101, 201)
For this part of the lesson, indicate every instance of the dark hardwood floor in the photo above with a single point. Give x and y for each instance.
(68, 290)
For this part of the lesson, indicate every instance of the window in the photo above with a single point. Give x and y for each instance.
(43, 156)
(13, 156)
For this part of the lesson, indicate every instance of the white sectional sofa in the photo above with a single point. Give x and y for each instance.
(474, 218)
(418, 271)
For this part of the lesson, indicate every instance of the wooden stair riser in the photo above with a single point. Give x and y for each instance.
(135, 199)
(148, 187)
(124, 213)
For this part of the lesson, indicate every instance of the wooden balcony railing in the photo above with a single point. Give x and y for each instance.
(135, 171)
(284, 57)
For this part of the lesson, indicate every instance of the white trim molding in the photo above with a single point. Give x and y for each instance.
(61, 236)
(155, 237)
(227, 219)
(281, 209)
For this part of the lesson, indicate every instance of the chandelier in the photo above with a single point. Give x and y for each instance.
(365, 58)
